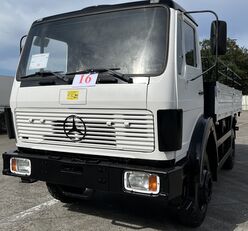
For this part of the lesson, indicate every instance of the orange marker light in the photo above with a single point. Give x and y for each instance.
(14, 165)
(153, 184)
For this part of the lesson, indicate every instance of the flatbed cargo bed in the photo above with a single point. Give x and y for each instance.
(228, 101)
(6, 83)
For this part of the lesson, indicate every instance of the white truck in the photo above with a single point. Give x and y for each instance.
(112, 98)
(5, 90)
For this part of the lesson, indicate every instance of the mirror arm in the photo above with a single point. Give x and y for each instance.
(21, 40)
(216, 37)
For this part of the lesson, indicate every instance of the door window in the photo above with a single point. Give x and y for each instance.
(190, 46)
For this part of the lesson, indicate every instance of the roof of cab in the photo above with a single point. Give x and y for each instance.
(101, 8)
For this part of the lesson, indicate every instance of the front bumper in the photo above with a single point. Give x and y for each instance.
(99, 174)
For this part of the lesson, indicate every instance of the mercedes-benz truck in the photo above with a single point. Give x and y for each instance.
(114, 98)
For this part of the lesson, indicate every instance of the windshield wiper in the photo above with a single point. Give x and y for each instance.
(57, 74)
(112, 71)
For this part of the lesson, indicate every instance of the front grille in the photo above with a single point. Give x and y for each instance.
(110, 129)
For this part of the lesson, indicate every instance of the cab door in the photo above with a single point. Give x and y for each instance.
(190, 92)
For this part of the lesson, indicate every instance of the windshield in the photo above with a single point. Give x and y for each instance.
(134, 41)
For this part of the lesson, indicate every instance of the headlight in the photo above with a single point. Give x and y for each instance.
(20, 166)
(141, 182)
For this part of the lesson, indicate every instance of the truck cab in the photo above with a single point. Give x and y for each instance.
(122, 116)
(104, 99)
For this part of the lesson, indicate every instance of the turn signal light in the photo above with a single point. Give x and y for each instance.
(13, 165)
(153, 183)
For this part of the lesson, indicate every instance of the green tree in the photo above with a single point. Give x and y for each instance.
(236, 58)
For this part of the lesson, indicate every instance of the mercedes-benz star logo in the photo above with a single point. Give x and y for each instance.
(74, 128)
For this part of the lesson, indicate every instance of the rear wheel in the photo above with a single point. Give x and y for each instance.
(230, 161)
(196, 197)
(68, 194)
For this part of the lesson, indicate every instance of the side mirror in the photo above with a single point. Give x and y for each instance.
(22, 42)
(218, 37)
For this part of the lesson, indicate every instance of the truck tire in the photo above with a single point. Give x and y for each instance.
(194, 203)
(230, 161)
(67, 194)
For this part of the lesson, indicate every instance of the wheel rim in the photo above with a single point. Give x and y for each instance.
(205, 191)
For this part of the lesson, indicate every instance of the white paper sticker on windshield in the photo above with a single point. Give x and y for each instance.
(39, 61)
(85, 80)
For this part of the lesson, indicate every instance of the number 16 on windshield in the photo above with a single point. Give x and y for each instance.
(85, 80)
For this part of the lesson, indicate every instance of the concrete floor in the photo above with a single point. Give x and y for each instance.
(30, 207)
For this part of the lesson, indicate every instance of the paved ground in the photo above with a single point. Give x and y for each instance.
(29, 206)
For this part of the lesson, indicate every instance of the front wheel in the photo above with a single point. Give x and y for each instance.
(196, 196)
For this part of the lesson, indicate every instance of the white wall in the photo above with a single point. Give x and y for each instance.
(245, 103)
